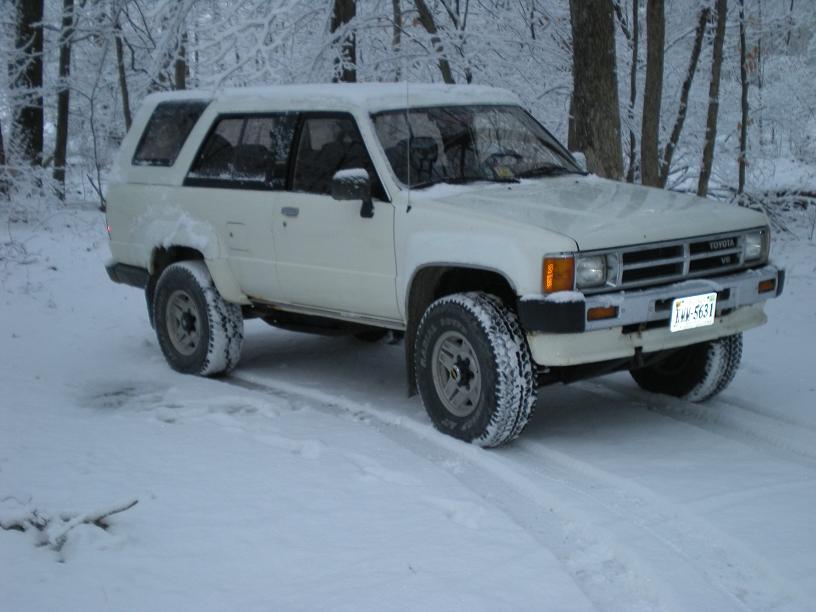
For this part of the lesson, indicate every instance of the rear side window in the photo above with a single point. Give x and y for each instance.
(216, 157)
(250, 152)
(166, 131)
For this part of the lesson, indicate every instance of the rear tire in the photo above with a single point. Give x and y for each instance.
(198, 332)
(473, 369)
(697, 372)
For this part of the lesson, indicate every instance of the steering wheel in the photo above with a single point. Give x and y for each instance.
(497, 162)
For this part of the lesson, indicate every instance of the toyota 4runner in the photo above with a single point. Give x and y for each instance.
(446, 214)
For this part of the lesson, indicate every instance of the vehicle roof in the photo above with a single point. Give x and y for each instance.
(367, 97)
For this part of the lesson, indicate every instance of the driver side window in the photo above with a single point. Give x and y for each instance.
(326, 145)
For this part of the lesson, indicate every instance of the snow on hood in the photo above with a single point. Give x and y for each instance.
(595, 212)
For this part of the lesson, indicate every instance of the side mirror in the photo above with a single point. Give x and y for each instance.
(580, 157)
(354, 184)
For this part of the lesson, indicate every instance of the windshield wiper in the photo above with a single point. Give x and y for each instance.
(551, 170)
(460, 180)
(423, 184)
(453, 180)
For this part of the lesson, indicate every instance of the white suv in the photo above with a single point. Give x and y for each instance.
(444, 213)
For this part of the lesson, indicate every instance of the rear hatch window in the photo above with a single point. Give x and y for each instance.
(166, 131)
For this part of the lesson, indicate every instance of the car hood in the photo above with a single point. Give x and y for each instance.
(596, 213)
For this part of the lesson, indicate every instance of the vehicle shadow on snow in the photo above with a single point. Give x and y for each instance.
(578, 410)
(375, 374)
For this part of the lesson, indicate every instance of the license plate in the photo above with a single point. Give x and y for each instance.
(693, 311)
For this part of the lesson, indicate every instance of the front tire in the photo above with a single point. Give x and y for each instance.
(474, 371)
(198, 331)
(697, 372)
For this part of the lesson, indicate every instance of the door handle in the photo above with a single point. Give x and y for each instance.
(290, 211)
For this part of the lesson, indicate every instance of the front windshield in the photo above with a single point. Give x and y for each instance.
(458, 144)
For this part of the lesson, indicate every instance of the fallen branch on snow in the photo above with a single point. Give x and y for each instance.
(56, 530)
(93, 518)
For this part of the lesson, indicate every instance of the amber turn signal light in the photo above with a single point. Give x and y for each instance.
(558, 274)
(602, 312)
(766, 285)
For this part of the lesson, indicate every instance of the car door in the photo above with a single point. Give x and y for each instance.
(245, 160)
(329, 257)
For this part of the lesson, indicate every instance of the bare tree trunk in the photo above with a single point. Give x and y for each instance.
(427, 21)
(617, 6)
(29, 79)
(459, 22)
(195, 70)
(63, 97)
(671, 145)
(713, 100)
(743, 153)
(652, 93)
(3, 183)
(396, 35)
(594, 106)
(120, 69)
(346, 69)
(180, 68)
(532, 20)
(2, 151)
(630, 174)
(760, 74)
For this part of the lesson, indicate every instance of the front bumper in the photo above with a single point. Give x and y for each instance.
(559, 332)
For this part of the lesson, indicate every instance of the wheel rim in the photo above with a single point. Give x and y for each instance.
(183, 322)
(456, 374)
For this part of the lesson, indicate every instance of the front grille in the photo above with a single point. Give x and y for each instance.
(668, 262)
(650, 254)
(651, 271)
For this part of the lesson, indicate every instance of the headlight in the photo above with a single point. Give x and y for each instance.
(755, 245)
(590, 271)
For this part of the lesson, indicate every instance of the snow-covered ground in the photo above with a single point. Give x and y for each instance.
(308, 480)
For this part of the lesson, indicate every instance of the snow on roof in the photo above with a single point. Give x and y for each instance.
(370, 97)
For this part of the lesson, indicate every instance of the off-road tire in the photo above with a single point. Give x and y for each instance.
(697, 372)
(508, 390)
(220, 326)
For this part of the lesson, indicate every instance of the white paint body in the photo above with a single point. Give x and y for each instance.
(330, 261)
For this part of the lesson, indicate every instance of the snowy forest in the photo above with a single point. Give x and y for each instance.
(310, 478)
(709, 96)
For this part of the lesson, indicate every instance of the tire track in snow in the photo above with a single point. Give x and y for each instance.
(609, 582)
(759, 410)
(722, 560)
(582, 516)
(747, 494)
(742, 424)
